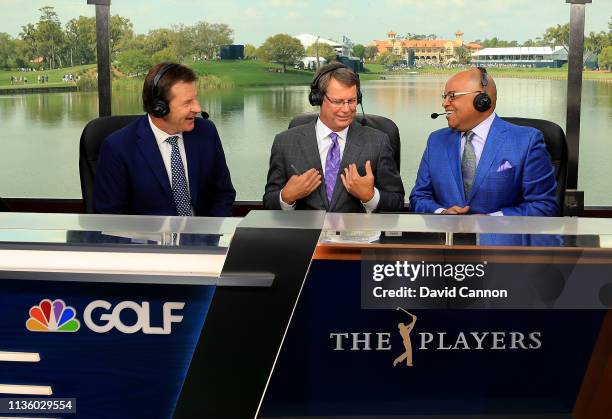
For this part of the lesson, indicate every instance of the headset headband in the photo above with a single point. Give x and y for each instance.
(315, 82)
(482, 101)
(484, 77)
(159, 75)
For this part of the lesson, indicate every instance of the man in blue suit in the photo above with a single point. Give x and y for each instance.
(167, 162)
(481, 164)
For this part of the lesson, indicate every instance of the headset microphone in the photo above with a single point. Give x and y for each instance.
(435, 115)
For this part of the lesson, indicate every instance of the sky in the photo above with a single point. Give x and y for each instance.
(362, 21)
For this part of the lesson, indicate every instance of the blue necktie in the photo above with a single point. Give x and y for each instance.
(180, 191)
(332, 165)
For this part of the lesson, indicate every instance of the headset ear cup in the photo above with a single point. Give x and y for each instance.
(160, 108)
(359, 96)
(482, 102)
(314, 97)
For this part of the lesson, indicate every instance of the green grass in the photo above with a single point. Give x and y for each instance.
(374, 68)
(544, 73)
(227, 74)
(55, 76)
(258, 73)
(214, 74)
(241, 73)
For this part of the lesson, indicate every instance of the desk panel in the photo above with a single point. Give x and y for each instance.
(341, 360)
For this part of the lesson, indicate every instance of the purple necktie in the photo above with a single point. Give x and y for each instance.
(332, 165)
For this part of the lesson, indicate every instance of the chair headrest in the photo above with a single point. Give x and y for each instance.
(96, 131)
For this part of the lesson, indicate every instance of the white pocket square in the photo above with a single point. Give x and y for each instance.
(505, 166)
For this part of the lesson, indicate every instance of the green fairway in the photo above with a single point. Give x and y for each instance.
(55, 77)
(258, 73)
(528, 73)
(375, 68)
(213, 74)
(241, 73)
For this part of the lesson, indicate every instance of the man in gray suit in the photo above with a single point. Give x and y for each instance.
(334, 163)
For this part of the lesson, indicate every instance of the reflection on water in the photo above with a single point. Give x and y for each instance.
(41, 132)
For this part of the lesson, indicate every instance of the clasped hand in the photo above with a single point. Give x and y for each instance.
(456, 210)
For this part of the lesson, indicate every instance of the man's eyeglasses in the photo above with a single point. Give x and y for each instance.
(452, 95)
(338, 103)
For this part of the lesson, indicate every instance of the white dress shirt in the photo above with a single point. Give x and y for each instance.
(324, 143)
(481, 132)
(166, 149)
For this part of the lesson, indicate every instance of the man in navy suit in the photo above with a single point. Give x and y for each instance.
(481, 164)
(167, 162)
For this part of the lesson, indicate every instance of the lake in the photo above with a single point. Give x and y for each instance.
(41, 132)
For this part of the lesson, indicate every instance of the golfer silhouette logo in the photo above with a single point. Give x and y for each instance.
(404, 331)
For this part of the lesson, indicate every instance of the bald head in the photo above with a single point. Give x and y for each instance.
(461, 113)
(472, 80)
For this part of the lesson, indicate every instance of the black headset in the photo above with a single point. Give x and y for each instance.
(315, 97)
(160, 107)
(482, 101)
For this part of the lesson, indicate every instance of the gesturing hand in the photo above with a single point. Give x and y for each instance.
(361, 187)
(300, 186)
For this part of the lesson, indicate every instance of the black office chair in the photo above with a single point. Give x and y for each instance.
(556, 144)
(92, 137)
(3, 206)
(373, 121)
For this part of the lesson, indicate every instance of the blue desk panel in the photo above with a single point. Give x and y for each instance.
(111, 374)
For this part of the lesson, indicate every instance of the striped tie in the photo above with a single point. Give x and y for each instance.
(468, 164)
(182, 200)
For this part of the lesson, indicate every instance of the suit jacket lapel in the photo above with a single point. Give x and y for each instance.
(193, 165)
(310, 149)
(352, 150)
(150, 150)
(453, 149)
(495, 139)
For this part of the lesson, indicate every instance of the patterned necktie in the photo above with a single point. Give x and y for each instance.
(468, 163)
(332, 165)
(180, 191)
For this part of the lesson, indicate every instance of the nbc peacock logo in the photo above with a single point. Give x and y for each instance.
(52, 316)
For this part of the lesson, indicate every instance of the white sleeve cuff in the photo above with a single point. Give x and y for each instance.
(372, 204)
(283, 204)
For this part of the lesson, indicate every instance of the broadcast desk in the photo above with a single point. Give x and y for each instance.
(305, 314)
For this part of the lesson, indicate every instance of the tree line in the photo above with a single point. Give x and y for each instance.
(47, 44)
